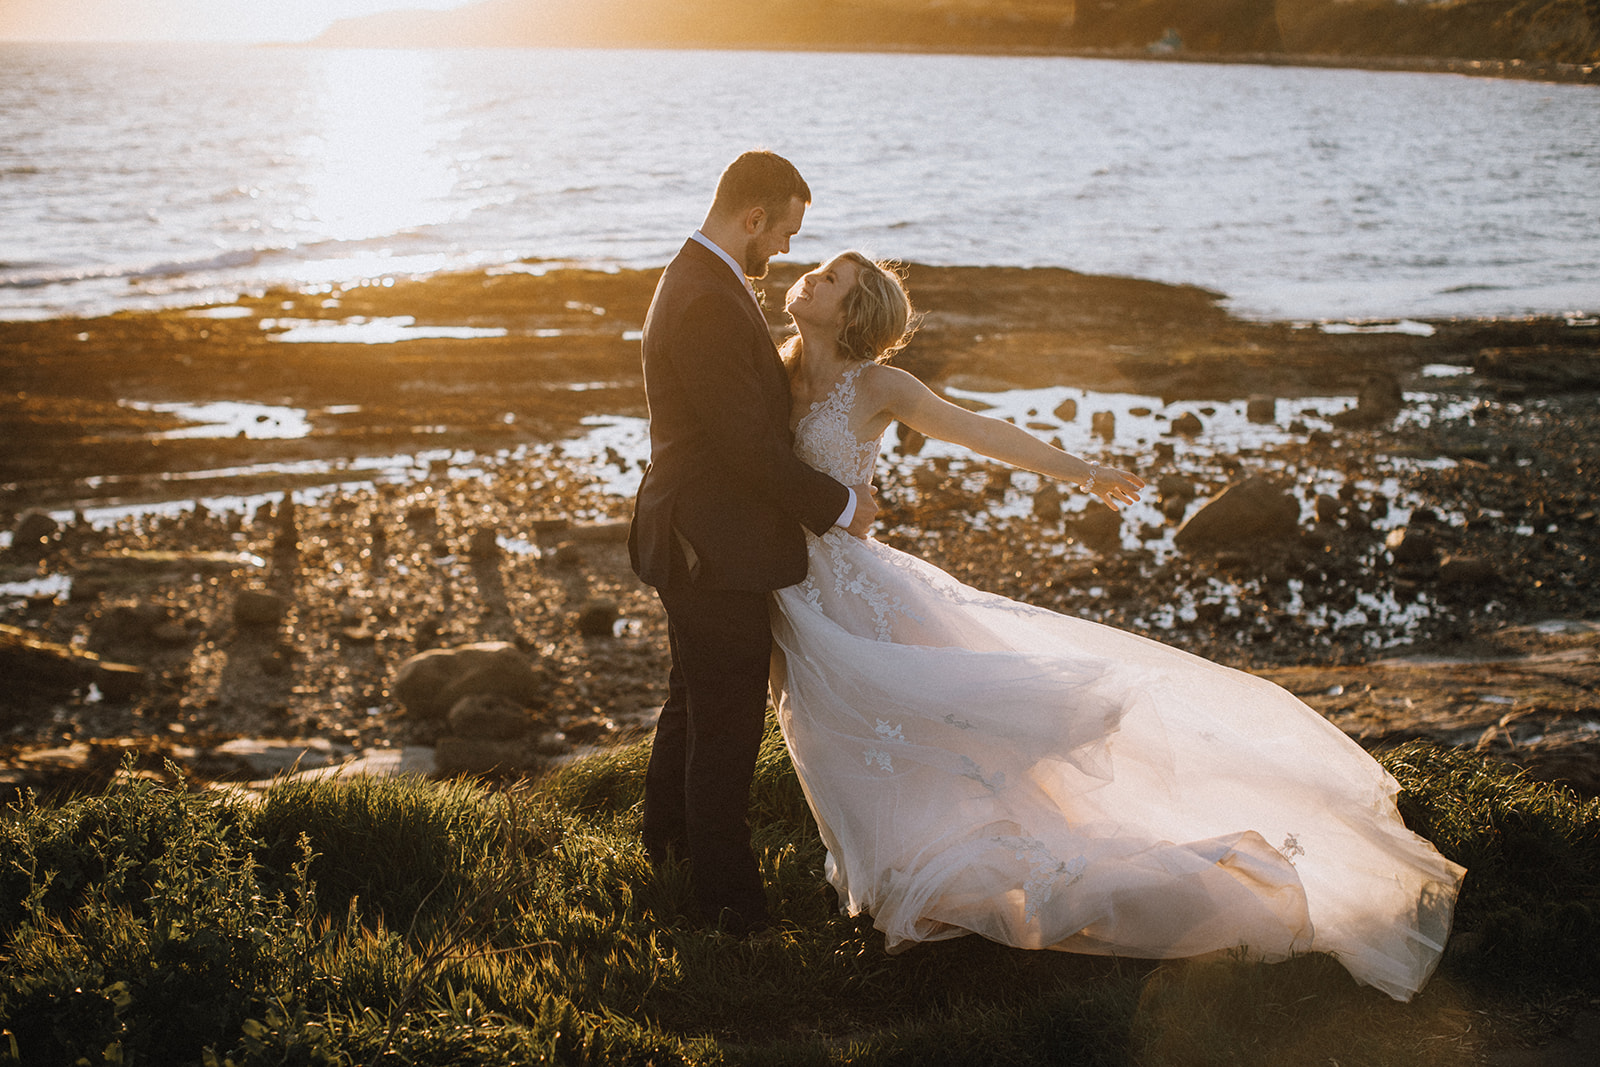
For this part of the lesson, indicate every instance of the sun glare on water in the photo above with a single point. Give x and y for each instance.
(378, 164)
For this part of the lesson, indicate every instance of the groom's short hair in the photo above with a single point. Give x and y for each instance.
(759, 179)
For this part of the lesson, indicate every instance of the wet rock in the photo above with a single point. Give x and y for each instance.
(430, 683)
(478, 755)
(1261, 409)
(1047, 503)
(1255, 509)
(1188, 425)
(1175, 492)
(488, 716)
(422, 518)
(1412, 545)
(1175, 485)
(1103, 424)
(597, 617)
(258, 607)
(1377, 404)
(1545, 366)
(1328, 508)
(1467, 572)
(286, 541)
(34, 534)
(484, 544)
(119, 681)
(28, 663)
(908, 442)
(1067, 410)
(1100, 528)
(126, 626)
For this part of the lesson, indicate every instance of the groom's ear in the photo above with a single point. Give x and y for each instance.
(755, 220)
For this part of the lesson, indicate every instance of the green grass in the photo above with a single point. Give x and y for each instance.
(404, 922)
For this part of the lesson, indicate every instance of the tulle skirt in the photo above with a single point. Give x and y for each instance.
(978, 765)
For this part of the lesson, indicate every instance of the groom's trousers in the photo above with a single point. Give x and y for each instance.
(703, 757)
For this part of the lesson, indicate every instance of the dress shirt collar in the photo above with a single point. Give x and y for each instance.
(738, 271)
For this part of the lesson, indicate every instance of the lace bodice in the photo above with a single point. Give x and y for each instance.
(823, 438)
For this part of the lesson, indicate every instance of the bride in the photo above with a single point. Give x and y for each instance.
(979, 765)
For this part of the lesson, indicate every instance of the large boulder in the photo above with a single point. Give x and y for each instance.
(490, 717)
(1250, 511)
(34, 534)
(430, 683)
(1377, 404)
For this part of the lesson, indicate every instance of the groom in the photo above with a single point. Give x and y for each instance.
(719, 521)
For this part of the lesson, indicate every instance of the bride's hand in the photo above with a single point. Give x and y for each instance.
(866, 511)
(1115, 488)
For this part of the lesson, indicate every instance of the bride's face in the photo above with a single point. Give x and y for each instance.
(818, 298)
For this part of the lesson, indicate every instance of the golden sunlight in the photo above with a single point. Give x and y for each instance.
(377, 165)
(190, 20)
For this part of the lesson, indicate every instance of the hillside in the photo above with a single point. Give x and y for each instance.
(1530, 31)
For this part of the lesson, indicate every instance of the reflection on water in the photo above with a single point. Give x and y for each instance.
(231, 418)
(1406, 326)
(365, 331)
(51, 585)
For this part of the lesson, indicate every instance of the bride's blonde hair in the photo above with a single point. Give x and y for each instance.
(878, 318)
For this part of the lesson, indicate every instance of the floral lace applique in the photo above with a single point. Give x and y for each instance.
(848, 581)
(973, 771)
(1047, 874)
(1291, 848)
(888, 735)
(880, 758)
(959, 724)
(824, 440)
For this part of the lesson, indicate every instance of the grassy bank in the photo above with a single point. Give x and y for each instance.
(407, 922)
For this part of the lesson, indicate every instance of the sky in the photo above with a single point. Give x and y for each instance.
(188, 20)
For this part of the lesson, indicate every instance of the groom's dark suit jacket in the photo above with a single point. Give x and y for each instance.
(722, 472)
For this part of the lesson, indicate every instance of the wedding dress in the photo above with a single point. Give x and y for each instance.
(980, 765)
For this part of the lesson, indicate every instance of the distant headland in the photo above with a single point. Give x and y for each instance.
(1555, 40)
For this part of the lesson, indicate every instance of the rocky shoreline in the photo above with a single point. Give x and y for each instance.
(1410, 547)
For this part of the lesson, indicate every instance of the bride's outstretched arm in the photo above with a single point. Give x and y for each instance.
(899, 395)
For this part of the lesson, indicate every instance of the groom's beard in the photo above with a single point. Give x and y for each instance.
(755, 266)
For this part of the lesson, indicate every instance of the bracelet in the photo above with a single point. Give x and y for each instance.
(1094, 472)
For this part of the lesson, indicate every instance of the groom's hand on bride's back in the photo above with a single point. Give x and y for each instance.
(866, 511)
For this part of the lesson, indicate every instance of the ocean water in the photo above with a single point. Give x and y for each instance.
(138, 176)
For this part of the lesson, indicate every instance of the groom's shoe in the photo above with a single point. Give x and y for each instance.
(745, 927)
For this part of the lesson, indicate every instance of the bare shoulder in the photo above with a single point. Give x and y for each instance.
(882, 382)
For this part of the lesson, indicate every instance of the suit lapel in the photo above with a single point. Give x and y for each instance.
(768, 356)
